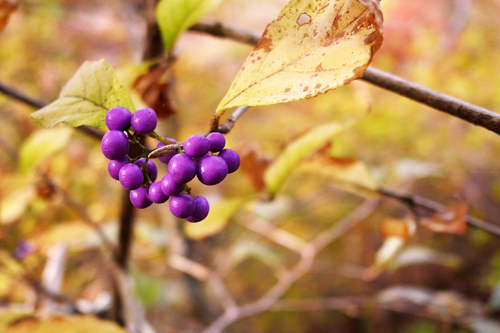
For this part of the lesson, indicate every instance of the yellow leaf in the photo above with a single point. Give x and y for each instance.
(312, 47)
(66, 324)
(303, 147)
(216, 221)
(349, 174)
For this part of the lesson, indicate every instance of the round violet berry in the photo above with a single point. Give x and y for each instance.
(182, 205)
(196, 145)
(200, 211)
(181, 168)
(144, 121)
(155, 194)
(114, 166)
(212, 170)
(232, 159)
(114, 145)
(165, 159)
(131, 176)
(118, 118)
(139, 198)
(170, 187)
(217, 141)
(151, 167)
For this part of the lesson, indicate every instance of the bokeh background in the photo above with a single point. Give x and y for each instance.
(431, 282)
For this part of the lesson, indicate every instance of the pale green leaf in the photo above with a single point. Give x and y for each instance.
(175, 16)
(42, 144)
(312, 47)
(297, 151)
(89, 94)
(351, 175)
(15, 204)
(216, 221)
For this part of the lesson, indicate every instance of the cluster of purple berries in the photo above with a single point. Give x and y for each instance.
(204, 157)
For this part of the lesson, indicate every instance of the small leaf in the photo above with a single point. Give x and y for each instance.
(417, 255)
(298, 150)
(254, 167)
(64, 324)
(42, 144)
(175, 16)
(15, 204)
(349, 174)
(153, 88)
(216, 220)
(89, 94)
(451, 221)
(312, 47)
(388, 251)
(7, 7)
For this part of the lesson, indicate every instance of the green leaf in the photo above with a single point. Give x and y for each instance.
(42, 144)
(175, 16)
(351, 175)
(91, 92)
(216, 221)
(298, 150)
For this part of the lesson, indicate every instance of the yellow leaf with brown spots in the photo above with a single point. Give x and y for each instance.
(312, 47)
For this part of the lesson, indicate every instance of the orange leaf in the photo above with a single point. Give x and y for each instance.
(451, 221)
(7, 7)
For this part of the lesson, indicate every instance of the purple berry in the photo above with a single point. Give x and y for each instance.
(198, 159)
(196, 145)
(152, 170)
(139, 198)
(182, 205)
(23, 249)
(217, 141)
(181, 168)
(212, 170)
(118, 118)
(155, 194)
(165, 159)
(232, 159)
(200, 211)
(131, 176)
(144, 121)
(170, 187)
(114, 166)
(114, 145)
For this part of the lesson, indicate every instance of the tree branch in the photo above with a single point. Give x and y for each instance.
(413, 201)
(38, 104)
(450, 105)
(303, 266)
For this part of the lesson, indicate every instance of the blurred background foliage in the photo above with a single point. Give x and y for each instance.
(452, 46)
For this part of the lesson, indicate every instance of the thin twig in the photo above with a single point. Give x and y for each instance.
(219, 30)
(21, 96)
(413, 201)
(303, 266)
(38, 104)
(450, 105)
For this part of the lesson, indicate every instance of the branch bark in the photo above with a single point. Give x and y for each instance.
(470, 113)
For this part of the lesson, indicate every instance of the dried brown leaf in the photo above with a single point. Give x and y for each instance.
(154, 89)
(451, 221)
(7, 7)
(254, 167)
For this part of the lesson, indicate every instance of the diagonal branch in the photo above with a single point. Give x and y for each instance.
(415, 201)
(471, 113)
